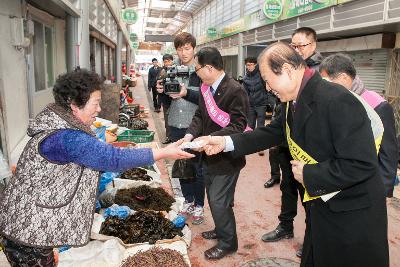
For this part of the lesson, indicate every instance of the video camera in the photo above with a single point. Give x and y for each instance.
(169, 78)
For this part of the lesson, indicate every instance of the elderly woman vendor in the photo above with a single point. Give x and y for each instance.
(50, 201)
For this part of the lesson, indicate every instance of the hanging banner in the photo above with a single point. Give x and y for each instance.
(276, 10)
(129, 15)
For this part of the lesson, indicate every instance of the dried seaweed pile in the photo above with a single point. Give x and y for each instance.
(143, 226)
(138, 124)
(136, 174)
(144, 197)
(156, 257)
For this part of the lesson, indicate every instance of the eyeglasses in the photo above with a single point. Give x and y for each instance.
(299, 46)
(196, 70)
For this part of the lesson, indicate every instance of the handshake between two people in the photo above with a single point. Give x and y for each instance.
(212, 145)
(209, 144)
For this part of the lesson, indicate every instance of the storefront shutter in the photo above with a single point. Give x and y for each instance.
(371, 66)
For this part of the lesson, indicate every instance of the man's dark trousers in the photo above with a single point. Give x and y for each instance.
(166, 113)
(156, 98)
(290, 188)
(274, 163)
(192, 189)
(220, 190)
(257, 114)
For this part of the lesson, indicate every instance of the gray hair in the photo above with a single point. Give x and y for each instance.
(337, 64)
(279, 53)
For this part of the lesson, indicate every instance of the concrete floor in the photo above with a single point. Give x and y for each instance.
(256, 210)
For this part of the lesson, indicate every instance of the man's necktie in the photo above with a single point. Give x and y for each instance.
(212, 90)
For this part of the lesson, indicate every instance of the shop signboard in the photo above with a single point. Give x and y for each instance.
(233, 28)
(129, 15)
(276, 10)
(204, 39)
(149, 46)
(133, 37)
(135, 45)
(212, 32)
(273, 9)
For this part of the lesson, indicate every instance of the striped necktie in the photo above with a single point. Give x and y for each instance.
(212, 90)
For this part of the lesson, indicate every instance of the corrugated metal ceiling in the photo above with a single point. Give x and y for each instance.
(163, 16)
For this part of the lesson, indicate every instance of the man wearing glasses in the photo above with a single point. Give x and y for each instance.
(304, 41)
(333, 151)
(223, 109)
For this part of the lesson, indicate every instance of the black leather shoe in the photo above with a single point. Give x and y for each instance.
(166, 141)
(209, 235)
(216, 253)
(271, 182)
(299, 252)
(277, 234)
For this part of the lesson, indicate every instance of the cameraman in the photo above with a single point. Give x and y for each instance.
(181, 111)
(168, 61)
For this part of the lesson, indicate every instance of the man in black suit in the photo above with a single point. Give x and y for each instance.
(231, 105)
(152, 83)
(330, 138)
(304, 41)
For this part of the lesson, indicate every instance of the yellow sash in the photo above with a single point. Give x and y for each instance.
(300, 155)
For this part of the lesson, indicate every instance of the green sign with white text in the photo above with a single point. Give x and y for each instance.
(135, 45)
(129, 15)
(273, 9)
(212, 32)
(276, 10)
(133, 37)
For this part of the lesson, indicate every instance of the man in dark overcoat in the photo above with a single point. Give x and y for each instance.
(331, 140)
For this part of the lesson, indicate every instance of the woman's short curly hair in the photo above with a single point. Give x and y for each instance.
(76, 87)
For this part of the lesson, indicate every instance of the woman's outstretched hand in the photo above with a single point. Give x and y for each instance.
(172, 151)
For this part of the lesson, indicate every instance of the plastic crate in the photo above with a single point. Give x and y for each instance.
(125, 144)
(137, 136)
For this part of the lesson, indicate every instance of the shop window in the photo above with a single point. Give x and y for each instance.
(106, 63)
(112, 60)
(92, 56)
(1, 144)
(97, 58)
(5, 172)
(49, 56)
(43, 56)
